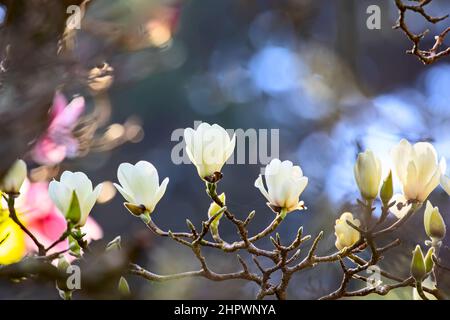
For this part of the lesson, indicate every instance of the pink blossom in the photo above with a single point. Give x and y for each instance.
(45, 221)
(58, 142)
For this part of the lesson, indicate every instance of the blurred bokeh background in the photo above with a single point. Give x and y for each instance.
(311, 69)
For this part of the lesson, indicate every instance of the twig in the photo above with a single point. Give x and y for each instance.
(426, 56)
(13, 216)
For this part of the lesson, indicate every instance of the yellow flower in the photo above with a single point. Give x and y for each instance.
(12, 240)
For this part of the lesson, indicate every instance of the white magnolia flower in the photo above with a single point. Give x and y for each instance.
(14, 178)
(401, 206)
(208, 147)
(285, 183)
(367, 172)
(139, 185)
(346, 236)
(417, 168)
(61, 192)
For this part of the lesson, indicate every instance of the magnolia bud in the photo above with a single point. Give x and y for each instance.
(346, 236)
(418, 268)
(367, 172)
(214, 208)
(429, 264)
(14, 177)
(387, 190)
(433, 222)
(123, 287)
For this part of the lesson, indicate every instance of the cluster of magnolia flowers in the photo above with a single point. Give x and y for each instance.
(419, 173)
(210, 146)
(40, 214)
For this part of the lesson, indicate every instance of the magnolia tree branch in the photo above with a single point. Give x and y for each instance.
(426, 56)
(376, 255)
(285, 258)
(13, 216)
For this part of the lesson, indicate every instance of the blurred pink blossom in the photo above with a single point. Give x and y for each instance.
(58, 142)
(45, 221)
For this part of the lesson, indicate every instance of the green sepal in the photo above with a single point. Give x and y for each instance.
(418, 269)
(145, 217)
(123, 287)
(387, 190)
(73, 213)
(115, 244)
(429, 264)
(74, 246)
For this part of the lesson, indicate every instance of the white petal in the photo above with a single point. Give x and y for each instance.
(425, 158)
(431, 185)
(159, 194)
(260, 185)
(400, 157)
(124, 194)
(149, 174)
(189, 138)
(271, 174)
(282, 184)
(230, 148)
(135, 181)
(124, 174)
(412, 186)
(88, 204)
(61, 195)
(79, 182)
(297, 172)
(297, 189)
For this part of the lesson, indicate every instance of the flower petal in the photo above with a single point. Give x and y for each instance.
(159, 194)
(61, 195)
(88, 204)
(124, 194)
(260, 185)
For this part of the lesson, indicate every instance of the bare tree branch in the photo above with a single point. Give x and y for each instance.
(426, 56)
